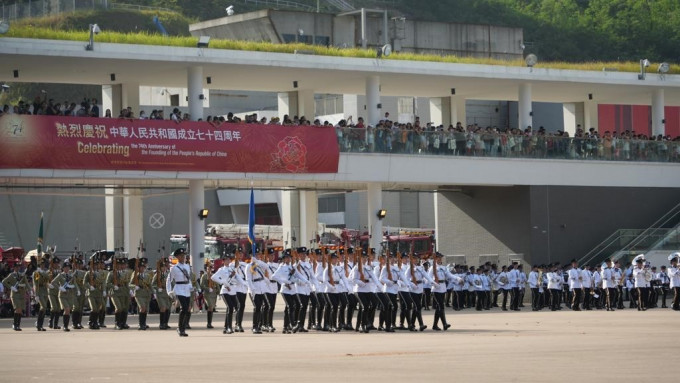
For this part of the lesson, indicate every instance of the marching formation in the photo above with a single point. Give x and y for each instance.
(322, 290)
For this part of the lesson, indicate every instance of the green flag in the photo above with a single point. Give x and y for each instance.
(40, 235)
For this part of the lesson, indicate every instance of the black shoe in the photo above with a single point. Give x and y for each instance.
(446, 326)
(412, 328)
(66, 329)
(257, 331)
(504, 309)
(381, 328)
(423, 327)
(188, 327)
(436, 328)
(401, 327)
(209, 326)
(228, 330)
(389, 329)
(303, 330)
(181, 333)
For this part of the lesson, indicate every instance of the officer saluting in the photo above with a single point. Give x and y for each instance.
(180, 276)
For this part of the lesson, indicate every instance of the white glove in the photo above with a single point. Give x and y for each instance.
(15, 289)
(210, 290)
(91, 288)
(77, 293)
(171, 295)
(62, 289)
(50, 286)
(136, 288)
(160, 290)
(132, 293)
(115, 288)
(104, 294)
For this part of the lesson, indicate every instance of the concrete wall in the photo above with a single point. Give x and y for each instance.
(404, 209)
(345, 31)
(484, 220)
(545, 223)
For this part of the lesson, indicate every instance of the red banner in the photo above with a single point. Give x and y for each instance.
(53, 142)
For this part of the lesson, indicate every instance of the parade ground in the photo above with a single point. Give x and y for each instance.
(563, 346)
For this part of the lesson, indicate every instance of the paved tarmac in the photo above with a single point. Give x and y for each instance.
(495, 346)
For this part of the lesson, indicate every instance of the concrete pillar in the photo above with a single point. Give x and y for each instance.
(111, 99)
(306, 106)
(440, 111)
(372, 100)
(195, 92)
(658, 118)
(129, 98)
(196, 225)
(133, 221)
(364, 38)
(436, 221)
(374, 197)
(290, 218)
(114, 218)
(457, 110)
(524, 106)
(288, 104)
(309, 218)
(569, 116)
(590, 116)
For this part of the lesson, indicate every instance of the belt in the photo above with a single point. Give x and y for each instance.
(419, 282)
(182, 283)
(258, 279)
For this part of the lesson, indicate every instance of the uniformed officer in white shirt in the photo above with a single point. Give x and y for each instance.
(178, 284)
(257, 277)
(619, 278)
(287, 276)
(639, 273)
(514, 278)
(555, 287)
(391, 277)
(364, 287)
(503, 281)
(229, 277)
(587, 284)
(609, 283)
(674, 275)
(304, 289)
(664, 283)
(418, 276)
(442, 277)
(272, 292)
(534, 284)
(575, 285)
(405, 300)
(334, 282)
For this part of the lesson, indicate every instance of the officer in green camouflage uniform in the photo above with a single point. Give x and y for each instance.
(118, 282)
(210, 290)
(53, 295)
(68, 291)
(16, 284)
(140, 283)
(95, 290)
(79, 304)
(162, 297)
(194, 291)
(40, 282)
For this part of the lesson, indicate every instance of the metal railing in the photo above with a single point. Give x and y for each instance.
(341, 5)
(42, 8)
(282, 4)
(138, 7)
(482, 144)
(629, 242)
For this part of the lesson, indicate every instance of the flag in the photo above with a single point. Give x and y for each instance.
(40, 234)
(251, 222)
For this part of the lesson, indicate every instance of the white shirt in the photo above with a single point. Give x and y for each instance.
(608, 281)
(180, 274)
(533, 280)
(421, 276)
(340, 284)
(390, 286)
(674, 275)
(639, 277)
(223, 276)
(554, 280)
(256, 278)
(305, 287)
(287, 276)
(575, 279)
(587, 280)
(445, 277)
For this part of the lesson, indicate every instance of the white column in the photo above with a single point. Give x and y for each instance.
(569, 117)
(110, 217)
(309, 217)
(372, 100)
(288, 104)
(306, 104)
(524, 106)
(111, 100)
(133, 221)
(436, 221)
(196, 225)
(590, 115)
(195, 92)
(440, 111)
(364, 38)
(129, 98)
(290, 218)
(457, 108)
(658, 119)
(374, 197)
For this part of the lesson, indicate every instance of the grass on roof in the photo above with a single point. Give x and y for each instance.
(143, 38)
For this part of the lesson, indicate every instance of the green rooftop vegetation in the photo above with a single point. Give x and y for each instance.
(28, 30)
